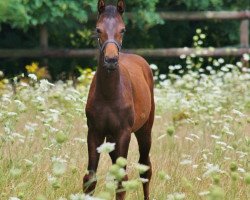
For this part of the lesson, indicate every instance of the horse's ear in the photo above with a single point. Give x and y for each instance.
(121, 6)
(101, 6)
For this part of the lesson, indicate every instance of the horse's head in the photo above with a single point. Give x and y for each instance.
(110, 29)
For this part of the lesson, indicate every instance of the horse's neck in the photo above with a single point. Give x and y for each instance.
(108, 83)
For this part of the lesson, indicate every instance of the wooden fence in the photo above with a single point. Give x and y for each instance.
(242, 16)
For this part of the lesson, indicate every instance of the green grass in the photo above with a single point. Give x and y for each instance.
(200, 140)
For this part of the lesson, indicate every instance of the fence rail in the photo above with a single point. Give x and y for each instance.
(205, 15)
(84, 53)
(243, 16)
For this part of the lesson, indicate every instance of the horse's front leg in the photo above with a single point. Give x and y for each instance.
(94, 140)
(122, 146)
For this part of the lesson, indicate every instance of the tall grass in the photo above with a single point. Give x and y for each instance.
(200, 140)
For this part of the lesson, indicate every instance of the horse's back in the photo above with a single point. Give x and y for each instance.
(141, 79)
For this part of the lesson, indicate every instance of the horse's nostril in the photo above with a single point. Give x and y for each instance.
(113, 60)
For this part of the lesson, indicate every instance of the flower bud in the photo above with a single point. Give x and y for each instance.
(122, 162)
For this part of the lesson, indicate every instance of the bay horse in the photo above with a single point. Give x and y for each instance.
(120, 100)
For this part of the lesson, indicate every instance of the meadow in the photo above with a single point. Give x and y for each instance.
(201, 138)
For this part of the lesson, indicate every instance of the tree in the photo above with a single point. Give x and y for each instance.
(12, 11)
(27, 13)
(200, 5)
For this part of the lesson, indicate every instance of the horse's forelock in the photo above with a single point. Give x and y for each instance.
(110, 11)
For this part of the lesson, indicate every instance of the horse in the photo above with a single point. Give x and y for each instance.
(120, 100)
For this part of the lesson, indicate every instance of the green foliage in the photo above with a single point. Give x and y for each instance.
(146, 13)
(199, 5)
(203, 5)
(28, 13)
(14, 12)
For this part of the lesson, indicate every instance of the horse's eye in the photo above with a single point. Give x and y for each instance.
(98, 30)
(123, 31)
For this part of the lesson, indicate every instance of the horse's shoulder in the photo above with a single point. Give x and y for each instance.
(136, 64)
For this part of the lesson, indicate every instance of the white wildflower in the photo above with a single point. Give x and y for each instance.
(216, 63)
(239, 64)
(18, 136)
(142, 168)
(1, 74)
(106, 147)
(221, 143)
(40, 100)
(189, 139)
(51, 178)
(59, 168)
(163, 76)
(31, 127)
(158, 117)
(195, 166)
(54, 114)
(162, 136)
(177, 67)
(230, 147)
(200, 42)
(195, 136)
(246, 57)
(227, 130)
(58, 159)
(215, 137)
(198, 31)
(241, 154)
(211, 169)
(77, 197)
(221, 60)
(91, 198)
(204, 193)
(209, 68)
(176, 196)
(202, 36)
(240, 114)
(223, 148)
(33, 77)
(12, 114)
(153, 67)
(14, 198)
(81, 140)
(28, 163)
(143, 180)
(45, 85)
(20, 105)
(225, 68)
(62, 198)
(186, 162)
(171, 67)
(6, 98)
(241, 170)
(183, 56)
(164, 176)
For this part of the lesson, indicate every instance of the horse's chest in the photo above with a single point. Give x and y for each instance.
(111, 117)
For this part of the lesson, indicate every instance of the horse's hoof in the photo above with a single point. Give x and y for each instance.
(89, 183)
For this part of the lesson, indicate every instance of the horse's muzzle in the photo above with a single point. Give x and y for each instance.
(111, 63)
